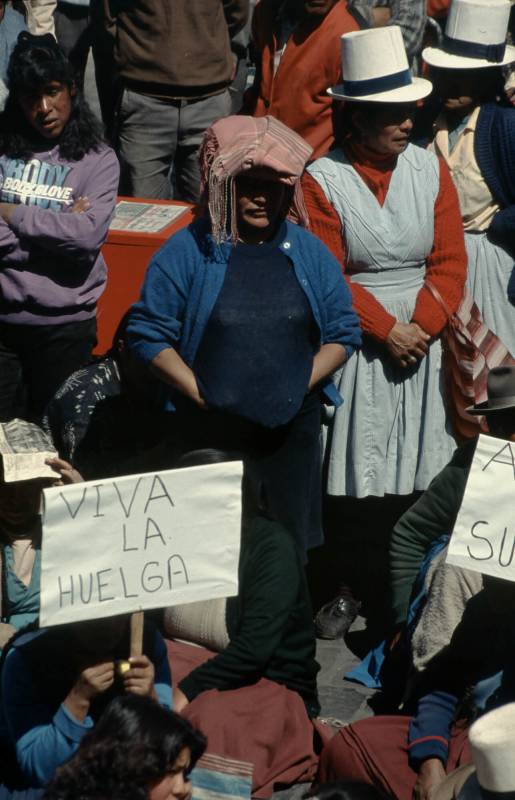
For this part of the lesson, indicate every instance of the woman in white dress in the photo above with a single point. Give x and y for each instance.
(390, 213)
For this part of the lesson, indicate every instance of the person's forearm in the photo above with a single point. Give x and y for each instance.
(328, 359)
(170, 367)
(77, 705)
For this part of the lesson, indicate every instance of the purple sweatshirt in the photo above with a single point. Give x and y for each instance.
(51, 268)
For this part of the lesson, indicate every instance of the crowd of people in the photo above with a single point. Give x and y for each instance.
(350, 165)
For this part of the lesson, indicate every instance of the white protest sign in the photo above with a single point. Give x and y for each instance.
(138, 542)
(483, 539)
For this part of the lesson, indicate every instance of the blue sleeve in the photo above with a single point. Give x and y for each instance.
(341, 323)
(162, 676)
(429, 730)
(155, 321)
(502, 227)
(43, 739)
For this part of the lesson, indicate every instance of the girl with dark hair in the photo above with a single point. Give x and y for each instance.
(58, 184)
(138, 749)
(56, 683)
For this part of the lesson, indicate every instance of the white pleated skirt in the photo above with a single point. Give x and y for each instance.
(391, 435)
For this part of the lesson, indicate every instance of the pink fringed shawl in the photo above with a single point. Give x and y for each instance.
(237, 144)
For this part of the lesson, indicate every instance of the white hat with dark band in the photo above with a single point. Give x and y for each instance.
(475, 36)
(375, 69)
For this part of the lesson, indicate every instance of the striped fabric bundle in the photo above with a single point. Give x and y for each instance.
(470, 351)
(219, 778)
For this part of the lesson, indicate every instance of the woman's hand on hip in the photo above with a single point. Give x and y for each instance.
(170, 367)
(407, 343)
(430, 776)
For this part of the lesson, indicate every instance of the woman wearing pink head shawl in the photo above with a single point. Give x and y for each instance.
(245, 316)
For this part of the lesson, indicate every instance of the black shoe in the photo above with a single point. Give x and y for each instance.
(335, 618)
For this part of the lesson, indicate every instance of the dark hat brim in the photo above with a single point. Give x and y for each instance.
(486, 408)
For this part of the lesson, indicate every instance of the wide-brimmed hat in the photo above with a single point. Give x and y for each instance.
(491, 740)
(375, 69)
(475, 36)
(500, 390)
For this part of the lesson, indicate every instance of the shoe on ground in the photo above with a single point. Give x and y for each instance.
(335, 618)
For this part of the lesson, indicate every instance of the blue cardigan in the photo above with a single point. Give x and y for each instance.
(494, 148)
(185, 276)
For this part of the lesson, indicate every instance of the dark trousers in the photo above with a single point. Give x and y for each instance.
(34, 362)
(283, 474)
(79, 29)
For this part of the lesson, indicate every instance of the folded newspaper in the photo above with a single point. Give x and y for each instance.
(24, 448)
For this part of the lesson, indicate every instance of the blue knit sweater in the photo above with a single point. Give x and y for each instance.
(494, 147)
(185, 277)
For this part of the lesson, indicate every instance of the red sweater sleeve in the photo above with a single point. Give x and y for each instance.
(446, 266)
(326, 224)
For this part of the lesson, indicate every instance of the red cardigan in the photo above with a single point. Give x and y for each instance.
(446, 264)
(297, 93)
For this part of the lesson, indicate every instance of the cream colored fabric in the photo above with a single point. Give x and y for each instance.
(449, 590)
(200, 623)
(477, 205)
(24, 556)
(40, 16)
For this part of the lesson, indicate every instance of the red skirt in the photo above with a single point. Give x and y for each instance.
(264, 723)
(374, 751)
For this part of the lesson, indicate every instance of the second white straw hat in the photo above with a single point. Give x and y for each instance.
(376, 70)
(475, 36)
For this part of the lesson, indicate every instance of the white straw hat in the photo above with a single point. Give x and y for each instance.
(376, 70)
(475, 36)
(492, 742)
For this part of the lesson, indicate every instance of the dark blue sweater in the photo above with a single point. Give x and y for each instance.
(494, 147)
(256, 354)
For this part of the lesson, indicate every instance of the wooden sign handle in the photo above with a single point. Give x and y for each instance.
(137, 619)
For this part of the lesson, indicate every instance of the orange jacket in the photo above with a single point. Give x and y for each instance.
(297, 94)
(437, 8)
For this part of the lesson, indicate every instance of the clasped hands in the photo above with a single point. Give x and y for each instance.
(407, 343)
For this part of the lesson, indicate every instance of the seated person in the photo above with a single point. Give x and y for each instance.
(251, 688)
(104, 418)
(138, 749)
(397, 754)
(20, 546)
(434, 514)
(56, 682)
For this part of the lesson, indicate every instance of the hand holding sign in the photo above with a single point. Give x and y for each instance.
(139, 679)
(91, 682)
(483, 539)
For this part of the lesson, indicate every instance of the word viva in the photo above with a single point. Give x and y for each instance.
(145, 562)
